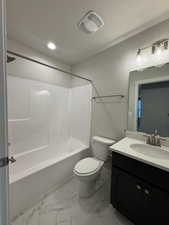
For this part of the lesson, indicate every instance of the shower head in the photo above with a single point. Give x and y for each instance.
(10, 59)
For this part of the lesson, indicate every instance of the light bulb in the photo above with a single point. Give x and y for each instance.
(139, 55)
(51, 45)
(139, 58)
(158, 51)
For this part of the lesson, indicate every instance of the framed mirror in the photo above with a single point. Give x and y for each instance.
(149, 100)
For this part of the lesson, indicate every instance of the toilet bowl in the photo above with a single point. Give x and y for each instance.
(88, 170)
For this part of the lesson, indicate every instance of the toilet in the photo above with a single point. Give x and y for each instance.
(87, 170)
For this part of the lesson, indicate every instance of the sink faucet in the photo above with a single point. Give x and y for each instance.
(153, 139)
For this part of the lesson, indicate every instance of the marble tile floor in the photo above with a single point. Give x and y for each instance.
(63, 207)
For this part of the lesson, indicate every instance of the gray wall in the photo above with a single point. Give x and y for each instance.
(110, 72)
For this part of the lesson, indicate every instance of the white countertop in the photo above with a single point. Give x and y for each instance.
(123, 147)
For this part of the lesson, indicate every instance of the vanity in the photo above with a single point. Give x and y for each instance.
(140, 184)
(140, 171)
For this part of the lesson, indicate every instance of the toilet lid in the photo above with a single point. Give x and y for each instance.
(87, 165)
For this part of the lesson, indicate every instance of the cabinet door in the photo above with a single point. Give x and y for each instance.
(157, 205)
(130, 199)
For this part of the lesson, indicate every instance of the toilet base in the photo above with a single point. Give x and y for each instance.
(88, 188)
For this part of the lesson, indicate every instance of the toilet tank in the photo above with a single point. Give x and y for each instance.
(100, 147)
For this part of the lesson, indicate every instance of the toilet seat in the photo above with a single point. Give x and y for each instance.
(88, 166)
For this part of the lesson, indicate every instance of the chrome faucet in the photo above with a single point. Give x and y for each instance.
(153, 139)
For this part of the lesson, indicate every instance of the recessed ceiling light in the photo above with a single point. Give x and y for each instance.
(51, 45)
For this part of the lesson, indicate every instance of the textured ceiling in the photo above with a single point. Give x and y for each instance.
(35, 22)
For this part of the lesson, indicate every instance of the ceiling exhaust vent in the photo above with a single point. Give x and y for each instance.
(90, 23)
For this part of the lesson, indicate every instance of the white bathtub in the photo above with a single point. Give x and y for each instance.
(37, 172)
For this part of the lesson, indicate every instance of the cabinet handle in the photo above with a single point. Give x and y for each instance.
(146, 191)
(138, 187)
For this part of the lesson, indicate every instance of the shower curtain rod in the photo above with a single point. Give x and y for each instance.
(47, 65)
(108, 96)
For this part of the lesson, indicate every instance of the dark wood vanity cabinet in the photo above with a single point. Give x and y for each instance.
(139, 191)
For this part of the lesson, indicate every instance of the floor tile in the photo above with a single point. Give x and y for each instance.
(64, 207)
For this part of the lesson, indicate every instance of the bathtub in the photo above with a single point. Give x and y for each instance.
(38, 172)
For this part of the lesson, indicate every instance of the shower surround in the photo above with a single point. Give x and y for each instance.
(49, 131)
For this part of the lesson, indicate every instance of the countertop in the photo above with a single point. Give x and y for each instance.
(123, 147)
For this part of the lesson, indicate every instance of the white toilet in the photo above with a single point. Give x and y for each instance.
(88, 169)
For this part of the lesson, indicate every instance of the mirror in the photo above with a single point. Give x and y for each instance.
(149, 100)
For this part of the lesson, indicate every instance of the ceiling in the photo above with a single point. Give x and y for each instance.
(35, 22)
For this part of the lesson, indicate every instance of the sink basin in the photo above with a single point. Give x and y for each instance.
(149, 150)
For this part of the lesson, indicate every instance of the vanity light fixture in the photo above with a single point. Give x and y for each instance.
(159, 46)
(156, 48)
(51, 45)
